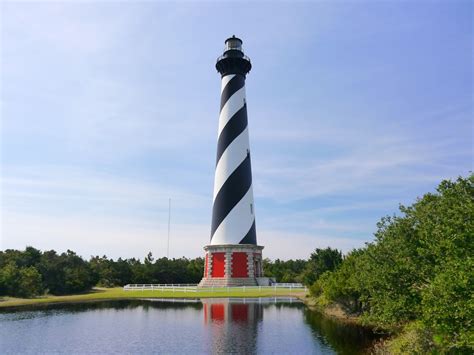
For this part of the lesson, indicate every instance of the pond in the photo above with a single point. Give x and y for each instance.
(244, 326)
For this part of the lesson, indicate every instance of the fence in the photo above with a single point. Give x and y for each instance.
(161, 287)
(287, 284)
(292, 287)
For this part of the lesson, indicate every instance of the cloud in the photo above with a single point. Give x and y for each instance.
(327, 160)
(72, 182)
(70, 208)
(109, 109)
(73, 28)
(114, 237)
(287, 245)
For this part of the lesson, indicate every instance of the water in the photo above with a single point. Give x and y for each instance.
(243, 326)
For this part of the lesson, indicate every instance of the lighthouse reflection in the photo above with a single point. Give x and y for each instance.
(233, 324)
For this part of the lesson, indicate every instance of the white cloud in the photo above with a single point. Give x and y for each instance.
(287, 245)
(114, 237)
(74, 28)
(106, 86)
(63, 182)
(364, 162)
(117, 237)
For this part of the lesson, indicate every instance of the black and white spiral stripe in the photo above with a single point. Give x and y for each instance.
(233, 218)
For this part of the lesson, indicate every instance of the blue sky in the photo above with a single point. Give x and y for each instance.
(110, 108)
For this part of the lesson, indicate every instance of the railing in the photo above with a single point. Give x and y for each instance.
(193, 288)
(158, 285)
(161, 287)
(223, 56)
(288, 284)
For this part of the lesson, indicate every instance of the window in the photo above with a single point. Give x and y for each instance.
(234, 43)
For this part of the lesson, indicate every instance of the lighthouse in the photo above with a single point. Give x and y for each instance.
(233, 257)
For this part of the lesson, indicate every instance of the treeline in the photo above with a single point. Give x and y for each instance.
(31, 272)
(304, 271)
(418, 274)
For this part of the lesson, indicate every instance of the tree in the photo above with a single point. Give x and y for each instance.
(51, 269)
(20, 282)
(346, 285)
(448, 305)
(29, 282)
(320, 261)
(418, 270)
(284, 271)
(78, 276)
(9, 277)
(65, 273)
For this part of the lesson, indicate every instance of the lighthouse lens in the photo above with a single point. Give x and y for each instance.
(235, 44)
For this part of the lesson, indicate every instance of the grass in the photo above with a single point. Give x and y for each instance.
(117, 293)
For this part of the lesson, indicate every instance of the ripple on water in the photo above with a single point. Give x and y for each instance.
(281, 326)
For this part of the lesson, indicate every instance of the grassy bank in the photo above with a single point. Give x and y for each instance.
(412, 338)
(116, 293)
(333, 310)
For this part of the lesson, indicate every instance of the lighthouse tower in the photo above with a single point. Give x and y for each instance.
(233, 257)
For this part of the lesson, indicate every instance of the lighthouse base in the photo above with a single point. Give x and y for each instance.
(232, 265)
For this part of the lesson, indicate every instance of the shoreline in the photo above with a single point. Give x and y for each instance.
(9, 304)
(338, 315)
(117, 293)
(100, 294)
(334, 312)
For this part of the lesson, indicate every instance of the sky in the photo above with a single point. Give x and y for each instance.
(109, 109)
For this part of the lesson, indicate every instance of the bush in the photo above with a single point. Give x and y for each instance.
(417, 271)
(448, 305)
(20, 282)
(320, 261)
(29, 283)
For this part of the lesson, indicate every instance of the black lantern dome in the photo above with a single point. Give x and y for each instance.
(233, 61)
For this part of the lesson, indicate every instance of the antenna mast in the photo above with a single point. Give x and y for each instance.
(169, 220)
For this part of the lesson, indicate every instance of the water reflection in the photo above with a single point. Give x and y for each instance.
(341, 337)
(233, 324)
(48, 310)
(244, 326)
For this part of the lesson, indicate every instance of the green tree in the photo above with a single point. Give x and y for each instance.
(52, 272)
(320, 261)
(448, 305)
(20, 282)
(345, 286)
(122, 272)
(418, 271)
(78, 276)
(284, 271)
(29, 282)
(9, 279)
